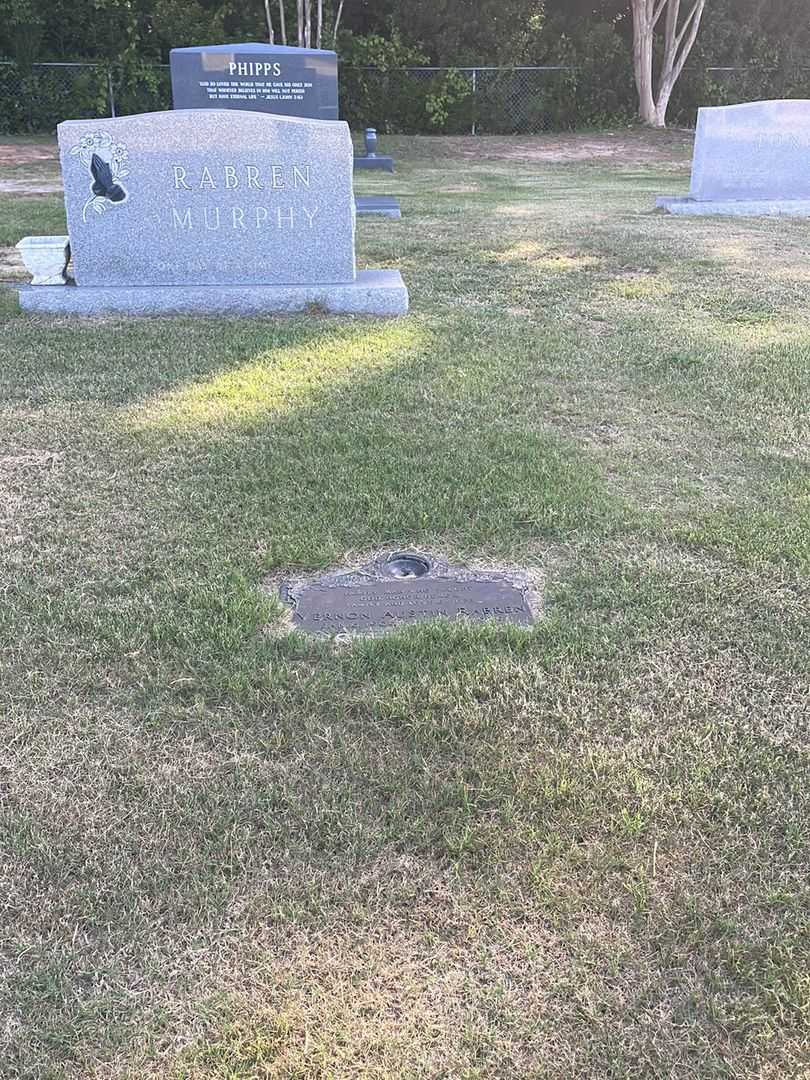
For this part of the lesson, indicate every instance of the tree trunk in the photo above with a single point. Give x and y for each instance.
(282, 22)
(307, 24)
(653, 99)
(643, 58)
(300, 8)
(320, 25)
(660, 116)
(269, 17)
(337, 24)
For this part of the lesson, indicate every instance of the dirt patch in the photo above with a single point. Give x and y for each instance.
(12, 267)
(25, 153)
(630, 147)
(30, 187)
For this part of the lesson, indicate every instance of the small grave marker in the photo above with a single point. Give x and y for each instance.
(401, 589)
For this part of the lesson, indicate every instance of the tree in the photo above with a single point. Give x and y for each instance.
(679, 37)
(456, 33)
(336, 24)
(304, 12)
(282, 22)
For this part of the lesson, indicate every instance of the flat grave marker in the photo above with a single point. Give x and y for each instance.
(401, 589)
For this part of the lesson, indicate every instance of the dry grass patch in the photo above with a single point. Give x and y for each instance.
(459, 851)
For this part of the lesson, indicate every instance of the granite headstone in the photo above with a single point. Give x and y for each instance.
(277, 79)
(760, 150)
(371, 159)
(749, 158)
(204, 211)
(207, 197)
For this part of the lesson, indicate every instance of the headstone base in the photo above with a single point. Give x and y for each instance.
(374, 161)
(683, 205)
(378, 206)
(373, 292)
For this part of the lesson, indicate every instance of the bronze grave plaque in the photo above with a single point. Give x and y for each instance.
(403, 588)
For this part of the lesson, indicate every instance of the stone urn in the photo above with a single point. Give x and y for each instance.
(45, 258)
(371, 142)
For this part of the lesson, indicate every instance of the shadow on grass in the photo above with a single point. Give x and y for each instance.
(181, 782)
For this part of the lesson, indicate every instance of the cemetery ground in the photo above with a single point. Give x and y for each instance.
(455, 851)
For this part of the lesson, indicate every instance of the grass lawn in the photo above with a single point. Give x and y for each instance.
(457, 851)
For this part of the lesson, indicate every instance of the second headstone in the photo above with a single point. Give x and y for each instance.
(260, 78)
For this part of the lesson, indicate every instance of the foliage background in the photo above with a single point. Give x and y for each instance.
(765, 42)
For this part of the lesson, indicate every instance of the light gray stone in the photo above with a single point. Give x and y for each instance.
(45, 258)
(759, 150)
(373, 292)
(378, 206)
(686, 207)
(209, 197)
(751, 159)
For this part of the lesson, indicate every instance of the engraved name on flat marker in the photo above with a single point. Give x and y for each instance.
(369, 600)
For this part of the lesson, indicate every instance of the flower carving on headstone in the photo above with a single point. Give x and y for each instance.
(106, 162)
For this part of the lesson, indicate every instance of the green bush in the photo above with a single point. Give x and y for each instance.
(37, 99)
(140, 87)
(384, 83)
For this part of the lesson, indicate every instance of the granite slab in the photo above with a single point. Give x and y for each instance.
(378, 206)
(749, 160)
(209, 197)
(373, 292)
(686, 207)
(378, 162)
(759, 150)
(280, 79)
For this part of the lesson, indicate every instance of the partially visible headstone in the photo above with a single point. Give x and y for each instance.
(376, 205)
(749, 159)
(213, 211)
(278, 79)
(404, 588)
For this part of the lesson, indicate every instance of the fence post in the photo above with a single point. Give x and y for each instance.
(110, 92)
(474, 90)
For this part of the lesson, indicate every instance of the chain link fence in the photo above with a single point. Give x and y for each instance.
(728, 85)
(35, 99)
(413, 100)
(402, 100)
(731, 85)
(477, 100)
